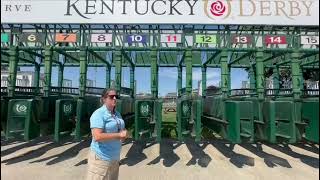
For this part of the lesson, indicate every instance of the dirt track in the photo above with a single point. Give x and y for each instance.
(44, 159)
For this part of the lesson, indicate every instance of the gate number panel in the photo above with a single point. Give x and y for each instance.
(71, 38)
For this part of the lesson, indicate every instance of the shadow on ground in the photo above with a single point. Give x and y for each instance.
(32, 154)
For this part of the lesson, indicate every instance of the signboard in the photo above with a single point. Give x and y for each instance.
(310, 40)
(241, 12)
(4, 37)
(242, 39)
(136, 38)
(271, 39)
(101, 38)
(66, 37)
(32, 37)
(170, 38)
(206, 39)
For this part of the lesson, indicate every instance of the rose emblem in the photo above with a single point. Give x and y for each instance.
(218, 8)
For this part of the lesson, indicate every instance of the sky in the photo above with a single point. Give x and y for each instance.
(167, 77)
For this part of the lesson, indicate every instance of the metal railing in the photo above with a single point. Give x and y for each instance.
(94, 90)
(310, 92)
(242, 92)
(278, 92)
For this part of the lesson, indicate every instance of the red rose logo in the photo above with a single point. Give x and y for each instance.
(218, 8)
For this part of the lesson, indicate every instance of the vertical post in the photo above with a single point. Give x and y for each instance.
(296, 75)
(179, 82)
(204, 81)
(296, 89)
(154, 73)
(60, 78)
(260, 75)
(224, 74)
(47, 71)
(118, 69)
(81, 105)
(132, 81)
(225, 81)
(260, 80)
(83, 71)
(188, 61)
(36, 79)
(108, 71)
(13, 63)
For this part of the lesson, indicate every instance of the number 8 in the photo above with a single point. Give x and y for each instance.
(101, 37)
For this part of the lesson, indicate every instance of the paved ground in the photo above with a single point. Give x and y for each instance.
(45, 160)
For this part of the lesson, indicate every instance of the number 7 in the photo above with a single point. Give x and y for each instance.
(65, 36)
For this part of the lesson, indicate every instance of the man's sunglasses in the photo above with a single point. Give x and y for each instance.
(113, 96)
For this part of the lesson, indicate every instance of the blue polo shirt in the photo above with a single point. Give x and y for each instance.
(103, 119)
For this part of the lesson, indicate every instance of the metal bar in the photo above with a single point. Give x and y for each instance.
(309, 62)
(66, 54)
(241, 57)
(99, 57)
(128, 58)
(212, 57)
(33, 53)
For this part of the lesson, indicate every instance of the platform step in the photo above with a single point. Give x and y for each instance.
(283, 136)
(246, 135)
(152, 122)
(143, 132)
(186, 132)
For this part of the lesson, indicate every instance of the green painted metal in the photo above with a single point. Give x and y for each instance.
(47, 71)
(125, 105)
(47, 114)
(189, 118)
(118, 65)
(36, 79)
(85, 107)
(23, 119)
(83, 72)
(60, 78)
(13, 60)
(154, 54)
(204, 81)
(240, 126)
(148, 119)
(179, 81)
(108, 77)
(296, 75)
(154, 73)
(296, 89)
(4, 113)
(225, 74)
(279, 122)
(235, 122)
(132, 84)
(260, 79)
(188, 62)
(64, 117)
(310, 114)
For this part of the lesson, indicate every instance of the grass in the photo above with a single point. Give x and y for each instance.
(169, 117)
(169, 122)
